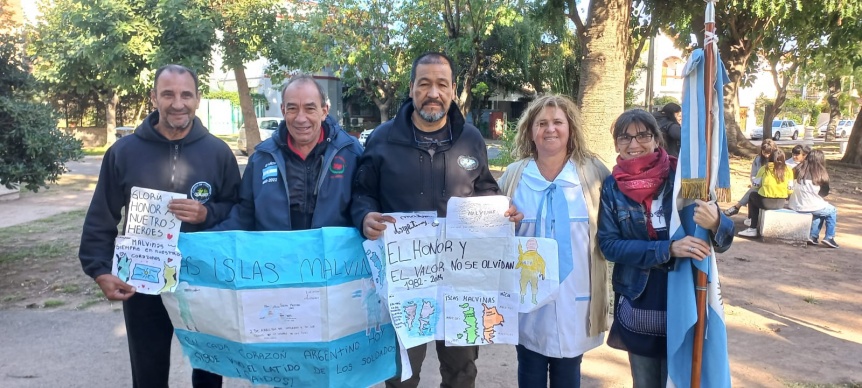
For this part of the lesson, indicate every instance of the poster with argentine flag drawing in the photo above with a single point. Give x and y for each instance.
(285, 309)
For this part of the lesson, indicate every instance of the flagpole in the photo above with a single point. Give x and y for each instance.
(700, 288)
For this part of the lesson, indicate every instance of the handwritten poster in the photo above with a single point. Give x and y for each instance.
(467, 291)
(147, 215)
(478, 217)
(151, 266)
(285, 309)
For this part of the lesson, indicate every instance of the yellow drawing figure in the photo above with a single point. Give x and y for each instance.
(170, 278)
(532, 265)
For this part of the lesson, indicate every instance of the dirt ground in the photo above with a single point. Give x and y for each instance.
(794, 314)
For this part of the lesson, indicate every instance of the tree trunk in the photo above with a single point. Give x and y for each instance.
(853, 155)
(834, 111)
(249, 119)
(384, 109)
(111, 101)
(603, 73)
(141, 108)
(466, 98)
(737, 143)
(768, 115)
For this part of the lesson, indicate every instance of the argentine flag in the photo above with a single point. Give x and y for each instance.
(691, 178)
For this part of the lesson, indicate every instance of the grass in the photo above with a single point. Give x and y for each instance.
(95, 151)
(63, 222)
(37, 239)
(51, 303)
(810, 299)
(44, 251)
(88, 303)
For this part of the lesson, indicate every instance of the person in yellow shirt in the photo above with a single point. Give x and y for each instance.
(775, 184)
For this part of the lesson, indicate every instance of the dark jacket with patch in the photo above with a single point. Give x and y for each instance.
(199, 165)
(396, 175)
(264, 203)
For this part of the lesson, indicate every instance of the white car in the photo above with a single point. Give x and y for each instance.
(266, 125)
(785, 129)
(844, 128)
(364, 136)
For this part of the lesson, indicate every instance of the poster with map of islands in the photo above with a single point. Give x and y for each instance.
(481, 319)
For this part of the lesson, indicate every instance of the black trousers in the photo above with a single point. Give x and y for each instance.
(757, 202)
(457, 366)
(149, 331)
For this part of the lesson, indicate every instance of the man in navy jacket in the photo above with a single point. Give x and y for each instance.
(300, 177)
(170, 151)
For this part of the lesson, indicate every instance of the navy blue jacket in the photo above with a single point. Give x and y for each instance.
(199, 165)
(624, 240)
(397, 175)
(264, 203)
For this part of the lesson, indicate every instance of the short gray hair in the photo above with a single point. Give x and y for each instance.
(303, 78)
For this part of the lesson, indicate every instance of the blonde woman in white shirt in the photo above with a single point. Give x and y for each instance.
(556, 184)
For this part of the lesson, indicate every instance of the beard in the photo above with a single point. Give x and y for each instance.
(178, 125)
(431, 117)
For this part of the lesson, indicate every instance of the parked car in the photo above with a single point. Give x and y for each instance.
(780, 128)
(124, 131)
(364, 136)
(844, 128)
(266, 125)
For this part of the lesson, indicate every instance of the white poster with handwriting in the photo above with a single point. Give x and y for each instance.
(478, 217)
(151, 266)
(147, 215)
(466, 291)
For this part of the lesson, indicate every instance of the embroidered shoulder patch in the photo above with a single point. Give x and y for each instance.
(468, 162)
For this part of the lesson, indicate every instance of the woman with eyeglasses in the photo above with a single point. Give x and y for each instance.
(633, 233)
(556, 185)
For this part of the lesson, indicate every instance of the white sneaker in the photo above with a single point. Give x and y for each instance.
(750, 232)
(747, 222)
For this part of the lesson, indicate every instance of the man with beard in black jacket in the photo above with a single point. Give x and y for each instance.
(416, 162)
(170, 151)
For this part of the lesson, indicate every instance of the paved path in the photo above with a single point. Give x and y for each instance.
(89, 348)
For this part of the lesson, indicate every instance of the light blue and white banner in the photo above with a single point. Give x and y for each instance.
(287, 309)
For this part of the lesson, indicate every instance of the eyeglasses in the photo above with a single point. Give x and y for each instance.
(643, 137)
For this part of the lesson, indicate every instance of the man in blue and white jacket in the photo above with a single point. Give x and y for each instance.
(299, 178)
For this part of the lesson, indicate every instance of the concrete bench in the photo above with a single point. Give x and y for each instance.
(785, 225)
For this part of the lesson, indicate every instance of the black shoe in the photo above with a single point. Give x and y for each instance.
(812, 241)
(731, 211)
(830, 242)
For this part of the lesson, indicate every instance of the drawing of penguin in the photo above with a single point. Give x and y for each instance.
(170, 278)
(124, 267)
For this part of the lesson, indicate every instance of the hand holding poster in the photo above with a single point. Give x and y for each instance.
(151, 266)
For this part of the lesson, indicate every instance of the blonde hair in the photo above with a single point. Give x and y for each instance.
(575, 144)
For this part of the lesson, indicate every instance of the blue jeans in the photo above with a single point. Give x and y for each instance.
(534, 369)
(828, 214)
(648, 372)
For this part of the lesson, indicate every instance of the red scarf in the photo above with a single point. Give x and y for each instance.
(641, 179)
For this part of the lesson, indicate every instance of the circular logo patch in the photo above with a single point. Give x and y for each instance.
(468, 162)
(201, 192)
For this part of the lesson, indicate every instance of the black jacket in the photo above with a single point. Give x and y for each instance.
(200, 163)
(396, 175)
(672, 133)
